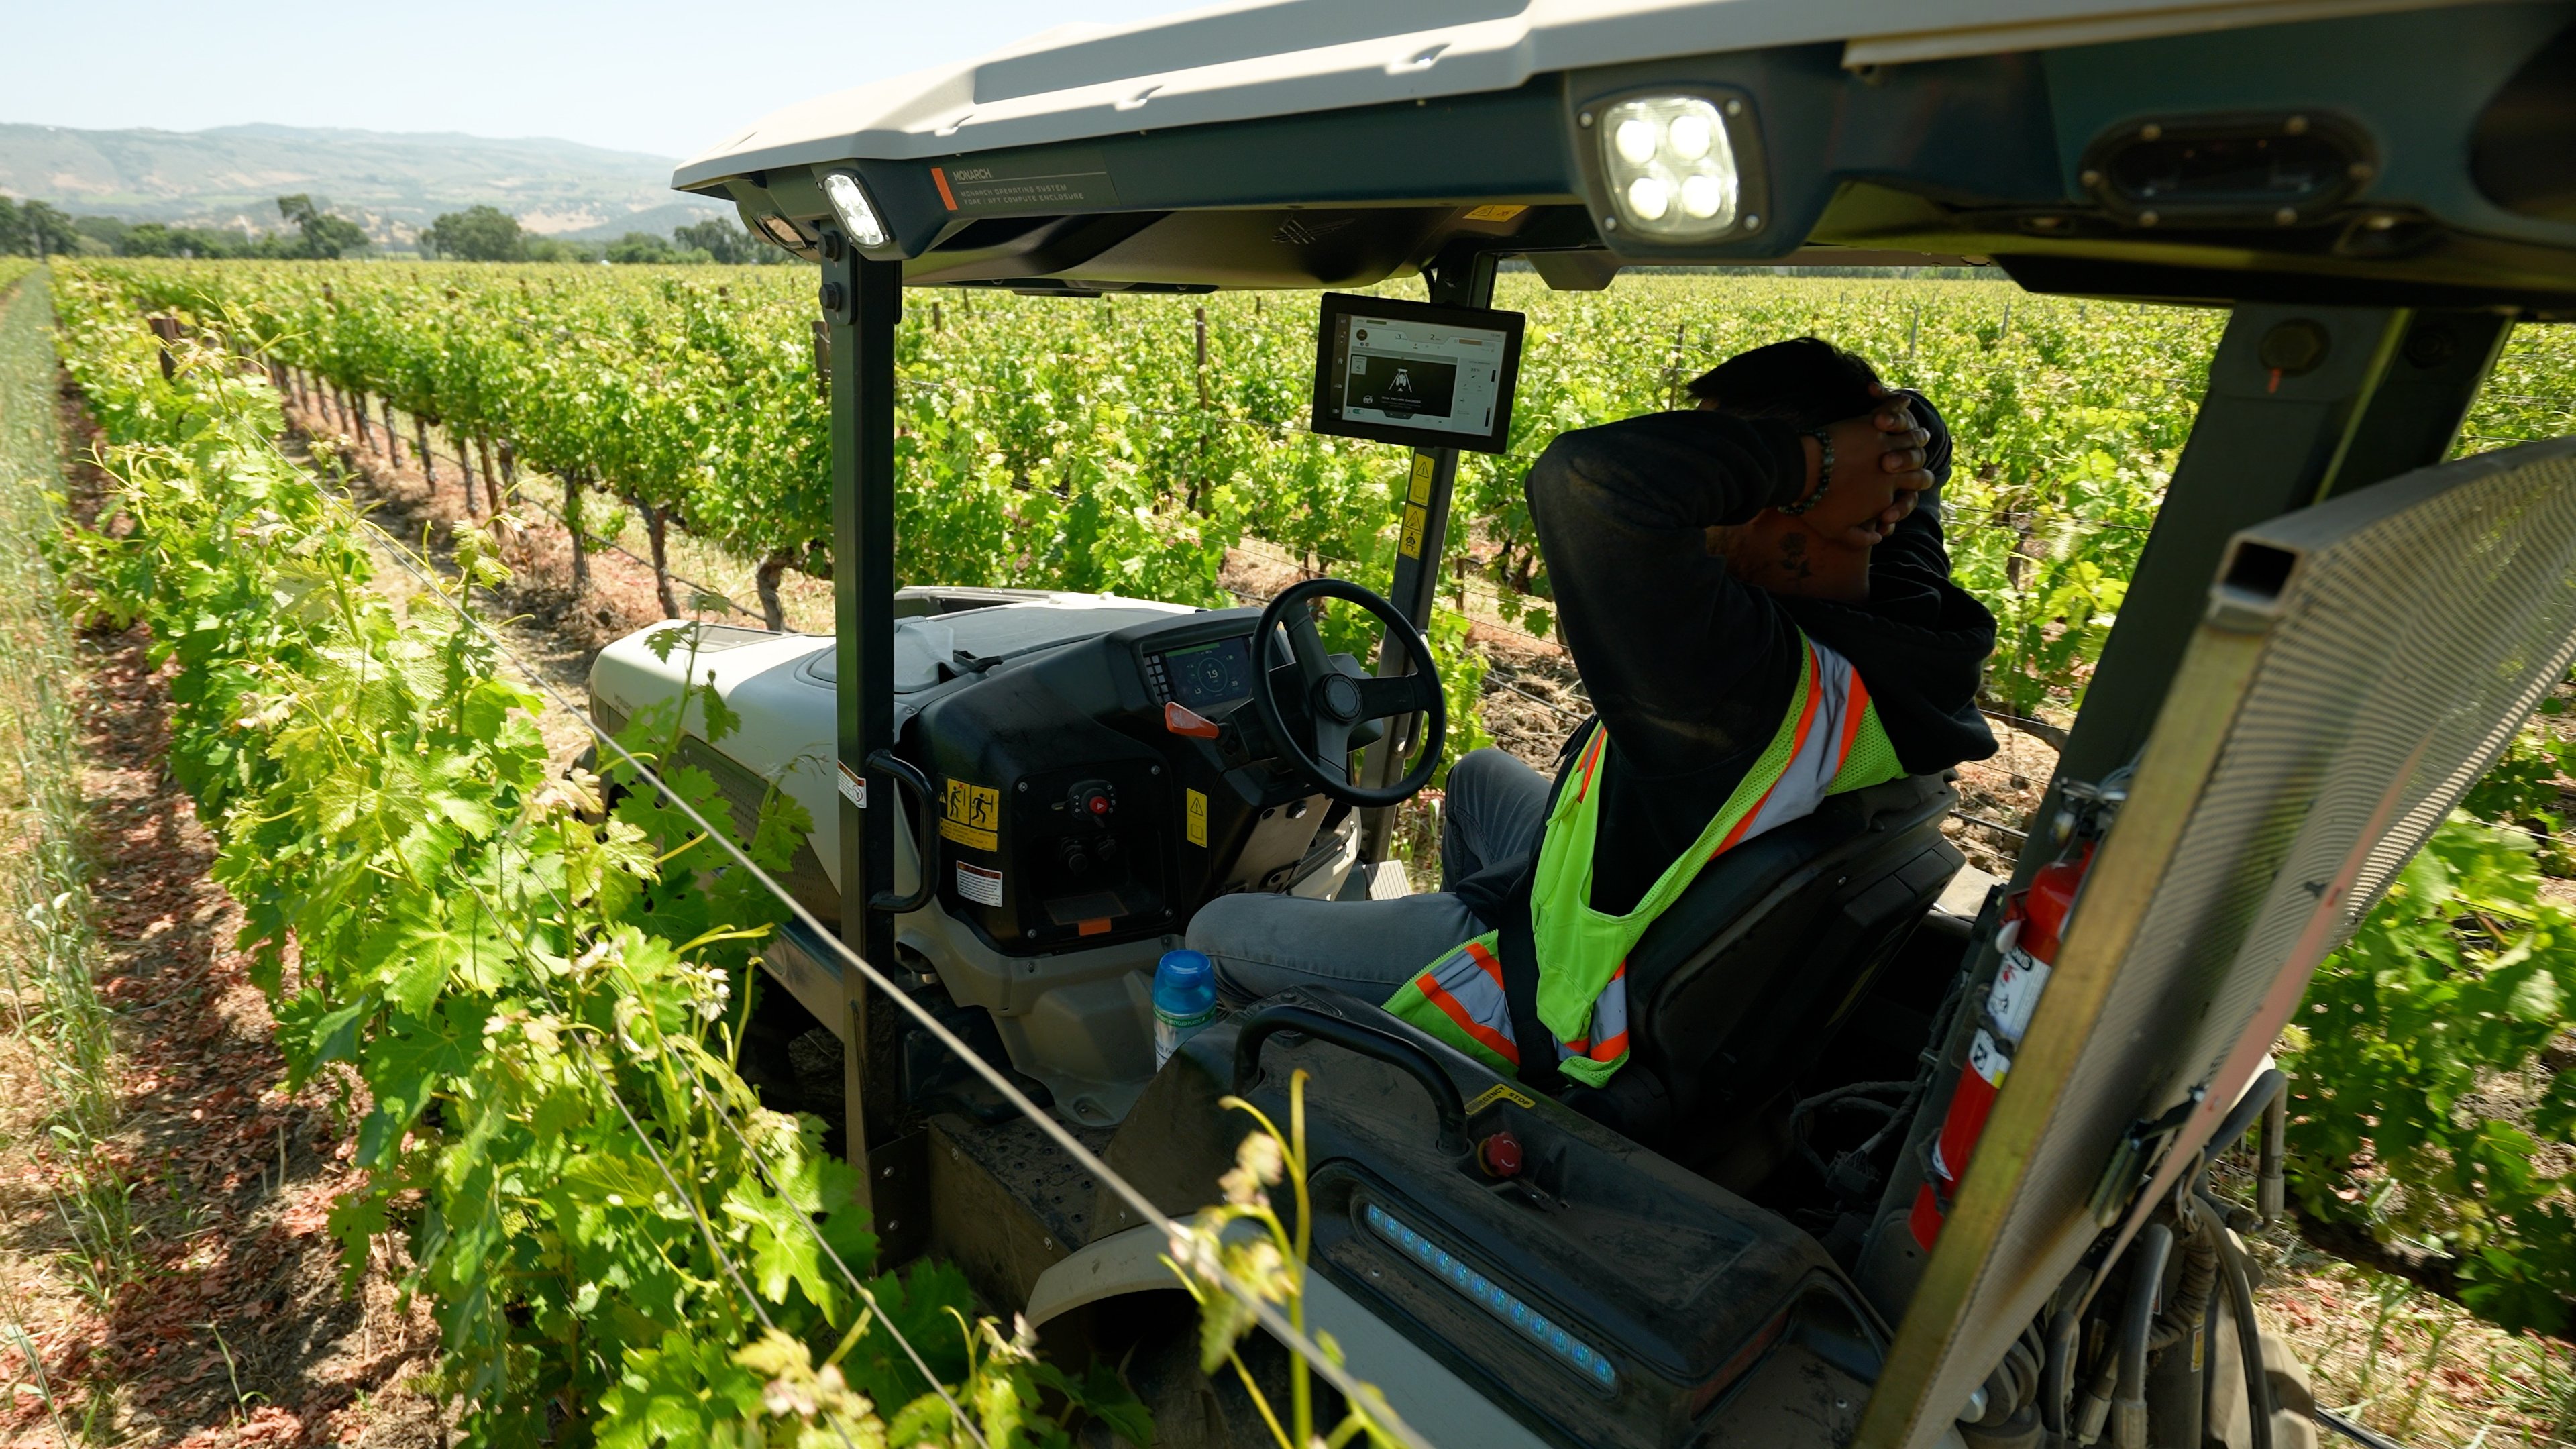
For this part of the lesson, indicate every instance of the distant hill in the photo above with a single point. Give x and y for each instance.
(393, 184)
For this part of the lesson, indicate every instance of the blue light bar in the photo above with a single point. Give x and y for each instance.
(1497, 1300)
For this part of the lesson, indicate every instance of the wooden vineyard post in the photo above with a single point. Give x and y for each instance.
(773, 610)
(1198, 479)
(464, 465)
(657, 529)
(167, 329)
(572, 525)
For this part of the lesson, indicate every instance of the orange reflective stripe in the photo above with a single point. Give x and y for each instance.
(1493, 966)
(1854, 707)
(1600, 737)
(1806, 723)
(1456, 1011)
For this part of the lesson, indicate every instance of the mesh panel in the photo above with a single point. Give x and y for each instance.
(2424, 621)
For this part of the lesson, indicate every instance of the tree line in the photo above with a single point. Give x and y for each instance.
(310, 232)
(489, 234)
(40, 229)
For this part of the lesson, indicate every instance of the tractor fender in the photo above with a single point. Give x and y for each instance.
(1414, 1383)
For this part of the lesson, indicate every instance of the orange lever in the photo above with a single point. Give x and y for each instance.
(1180, 719)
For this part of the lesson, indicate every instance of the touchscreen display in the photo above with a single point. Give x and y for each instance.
(1209, 675)
(1411, 373)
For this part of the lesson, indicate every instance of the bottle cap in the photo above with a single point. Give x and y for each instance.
(1184, 967)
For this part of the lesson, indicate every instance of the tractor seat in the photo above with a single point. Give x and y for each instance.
(1738, 986)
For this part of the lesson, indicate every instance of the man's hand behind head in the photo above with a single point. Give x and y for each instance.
(1878, 470)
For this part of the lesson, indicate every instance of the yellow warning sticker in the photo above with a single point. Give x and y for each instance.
(1423, 468)
(971, 815)
(1415, 516)
(1198, 817)
(1495, 213)
(1496, 1093)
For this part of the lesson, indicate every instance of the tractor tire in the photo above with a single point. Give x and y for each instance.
(1195, 1410)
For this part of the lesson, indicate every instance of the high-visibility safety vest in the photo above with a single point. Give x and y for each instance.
(1828, 741)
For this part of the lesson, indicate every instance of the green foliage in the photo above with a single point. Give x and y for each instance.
(2422, 1107)
(529, 1003)
(1244, 1241)
(476, 234)
(725, 242)
(644, 246)
(323, 237)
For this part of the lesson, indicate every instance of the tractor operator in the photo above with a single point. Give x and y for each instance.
(1758, 599)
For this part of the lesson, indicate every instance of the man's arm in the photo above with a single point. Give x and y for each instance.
(1683, 662)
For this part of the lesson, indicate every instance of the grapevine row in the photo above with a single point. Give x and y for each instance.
(533, 1012)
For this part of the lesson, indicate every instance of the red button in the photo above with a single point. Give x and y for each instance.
(1099, 804)
(1499, 1155)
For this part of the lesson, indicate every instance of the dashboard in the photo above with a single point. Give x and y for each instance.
(1201, 677)
(1102, 790)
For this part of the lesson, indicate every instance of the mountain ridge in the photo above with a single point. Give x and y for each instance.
(391, 182)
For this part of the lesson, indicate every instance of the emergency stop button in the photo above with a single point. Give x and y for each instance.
(1094, 800)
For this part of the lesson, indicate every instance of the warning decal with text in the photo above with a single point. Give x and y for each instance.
(975, 883)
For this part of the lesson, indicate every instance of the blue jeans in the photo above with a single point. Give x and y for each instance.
(1264, 944)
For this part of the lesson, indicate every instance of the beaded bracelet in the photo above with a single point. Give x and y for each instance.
(1824, 475)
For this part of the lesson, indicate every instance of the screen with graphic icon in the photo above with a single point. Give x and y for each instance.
(1414, 373)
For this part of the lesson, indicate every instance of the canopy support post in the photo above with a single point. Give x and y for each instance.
(2305, 403)
(1456, 280)
(862, 303)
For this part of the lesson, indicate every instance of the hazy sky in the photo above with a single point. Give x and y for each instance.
(642, 75)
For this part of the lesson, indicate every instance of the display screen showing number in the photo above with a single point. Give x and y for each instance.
(1409, 372)
(1211, 674)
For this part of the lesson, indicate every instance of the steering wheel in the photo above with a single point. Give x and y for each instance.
(1335, 702)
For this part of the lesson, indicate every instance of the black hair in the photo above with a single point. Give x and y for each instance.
(1805, 381)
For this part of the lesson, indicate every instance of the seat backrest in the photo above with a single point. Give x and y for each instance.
(1739, 985)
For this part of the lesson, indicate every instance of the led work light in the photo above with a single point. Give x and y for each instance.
(850, 203)
(1671, 168)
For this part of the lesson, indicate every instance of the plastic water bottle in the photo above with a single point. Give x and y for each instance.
(1184, 1000)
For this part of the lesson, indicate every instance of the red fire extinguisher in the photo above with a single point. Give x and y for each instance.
(2033, 923)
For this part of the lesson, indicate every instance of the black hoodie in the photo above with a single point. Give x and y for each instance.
(1689, 669)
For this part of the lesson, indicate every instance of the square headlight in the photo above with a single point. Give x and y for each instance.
(850, 202)
(1671, 169)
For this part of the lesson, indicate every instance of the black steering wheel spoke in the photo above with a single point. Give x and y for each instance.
(1306, 646)
(1333, 751)
(1310, 707)
(1384, 695)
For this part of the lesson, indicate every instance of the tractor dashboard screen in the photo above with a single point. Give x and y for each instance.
(1409, 372)
(1206, 676)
